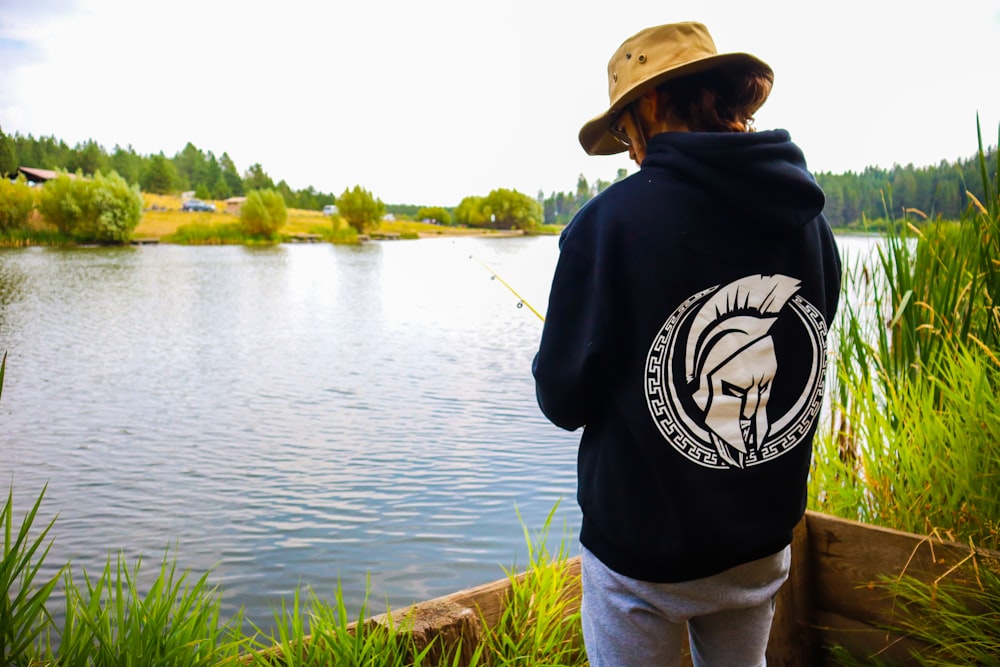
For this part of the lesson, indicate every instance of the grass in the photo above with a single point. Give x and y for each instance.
(914, 439)
(177, 621)
(23, 612)
(162, 219)
(540, 623)
(914, 442)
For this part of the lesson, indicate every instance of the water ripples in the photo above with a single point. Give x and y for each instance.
(289, 416)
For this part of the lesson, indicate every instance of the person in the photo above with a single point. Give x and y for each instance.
(686, 334)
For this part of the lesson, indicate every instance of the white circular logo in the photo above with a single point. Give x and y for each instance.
(734, 378)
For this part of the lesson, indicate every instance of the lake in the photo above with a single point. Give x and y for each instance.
(287, 416)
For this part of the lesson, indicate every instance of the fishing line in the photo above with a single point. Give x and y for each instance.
(520, 302)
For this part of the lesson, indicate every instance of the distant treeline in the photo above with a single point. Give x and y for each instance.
(207, 175)
(853, 200)
(869, 198)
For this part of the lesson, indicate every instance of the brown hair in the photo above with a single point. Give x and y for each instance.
(717, 101)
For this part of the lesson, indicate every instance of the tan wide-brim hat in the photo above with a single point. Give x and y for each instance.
(650, 58)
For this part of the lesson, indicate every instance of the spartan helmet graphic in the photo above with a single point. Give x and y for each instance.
(730, 362)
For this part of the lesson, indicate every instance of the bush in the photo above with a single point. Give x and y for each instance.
(105, 209)
(263, 213)
(436, 213)
(63, 201)
(360, 208)
(16, 202)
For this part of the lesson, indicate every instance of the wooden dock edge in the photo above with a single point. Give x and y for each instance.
(829, 599)
(849, 560)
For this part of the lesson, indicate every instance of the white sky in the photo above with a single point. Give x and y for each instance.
(426, 102)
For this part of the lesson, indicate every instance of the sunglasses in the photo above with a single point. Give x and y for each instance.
(616, 129)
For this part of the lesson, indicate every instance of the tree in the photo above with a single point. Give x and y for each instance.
(16, 202)
(582, 191)
(127, 164)
(103, 209)
(192, 167)
(231, 175)
(263, 213)
(116, 210)
(510, 209)
(500, 209)
(285, 190)
(63, 201)
(360, 208)
(472, 211)
(435, 213)
(160, 175)
(213, 173)
(88, 157)
(8, 156)
(221, 188)
(257, 179)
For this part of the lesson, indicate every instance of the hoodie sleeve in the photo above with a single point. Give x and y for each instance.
(566, 365)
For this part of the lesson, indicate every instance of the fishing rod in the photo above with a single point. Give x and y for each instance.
(495, 276)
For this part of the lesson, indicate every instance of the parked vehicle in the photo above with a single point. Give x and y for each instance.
(197, 205)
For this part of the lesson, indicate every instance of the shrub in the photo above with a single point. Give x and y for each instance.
(104, 209)
(117, 209)
(263, 213)
(63, 201)
(436, 213)
(16, 202)
(360, 208)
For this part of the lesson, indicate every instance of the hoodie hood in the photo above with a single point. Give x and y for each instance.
(760, 176)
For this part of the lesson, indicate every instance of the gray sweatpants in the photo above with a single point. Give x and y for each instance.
(632, 623)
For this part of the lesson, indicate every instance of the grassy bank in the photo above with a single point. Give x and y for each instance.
(162, 219)
(177, 621)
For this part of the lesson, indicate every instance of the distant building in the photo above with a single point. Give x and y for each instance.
(234, 205)
(37, 176)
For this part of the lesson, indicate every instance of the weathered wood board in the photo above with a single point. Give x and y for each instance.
(830, 597)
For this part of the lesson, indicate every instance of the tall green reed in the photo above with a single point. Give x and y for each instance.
(313, 632)
(914, 439)
(540, 623)
(108, 620)
(23, 613)
(176, 622)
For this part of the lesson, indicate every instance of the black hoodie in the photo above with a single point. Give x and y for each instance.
(686, 332)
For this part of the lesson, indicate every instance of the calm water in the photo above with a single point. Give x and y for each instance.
(286, 416)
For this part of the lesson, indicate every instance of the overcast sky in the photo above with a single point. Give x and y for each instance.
(426, 102)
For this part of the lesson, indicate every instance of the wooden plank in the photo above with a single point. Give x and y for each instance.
(461, 616)
(830, 597)
(849, 558)
(862, 641)
(793, 640)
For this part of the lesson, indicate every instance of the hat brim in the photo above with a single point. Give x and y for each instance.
(595, 136)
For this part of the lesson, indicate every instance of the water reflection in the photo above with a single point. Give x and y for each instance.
(285, 416)
(292, 415)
